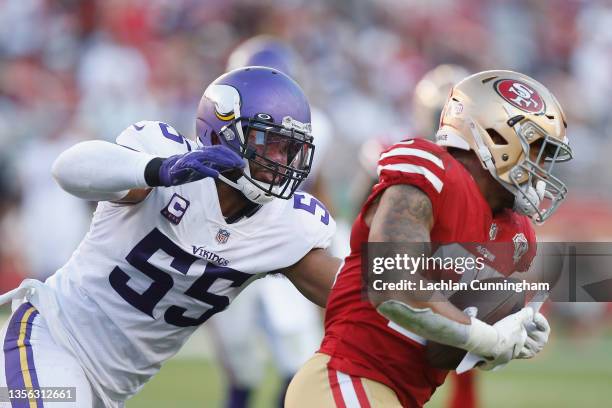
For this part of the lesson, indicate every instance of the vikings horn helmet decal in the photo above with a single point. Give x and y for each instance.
(225, 99)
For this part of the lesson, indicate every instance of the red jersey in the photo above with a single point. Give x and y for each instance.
(359, 340)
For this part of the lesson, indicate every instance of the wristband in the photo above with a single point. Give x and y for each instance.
(151, 172)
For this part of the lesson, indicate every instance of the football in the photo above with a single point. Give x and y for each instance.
(492, 307)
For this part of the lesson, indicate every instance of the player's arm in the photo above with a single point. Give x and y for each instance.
(102, 171)
(403, 215)
(314, 275)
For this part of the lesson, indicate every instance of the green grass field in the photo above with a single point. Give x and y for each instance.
(564, 376)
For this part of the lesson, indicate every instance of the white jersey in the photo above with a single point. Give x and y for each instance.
(146, 275)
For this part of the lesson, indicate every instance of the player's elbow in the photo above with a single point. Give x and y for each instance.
(61, 170)
(75, 168)
(376, 297)
(66, 169)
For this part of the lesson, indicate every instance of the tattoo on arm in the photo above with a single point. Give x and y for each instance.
(404, 214)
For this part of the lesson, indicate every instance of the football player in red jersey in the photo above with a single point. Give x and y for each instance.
(430, 95)
(488, 175)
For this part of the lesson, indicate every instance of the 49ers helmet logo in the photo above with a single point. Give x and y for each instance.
(520, 94)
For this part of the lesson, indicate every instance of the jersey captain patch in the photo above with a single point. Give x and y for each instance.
(176, 208)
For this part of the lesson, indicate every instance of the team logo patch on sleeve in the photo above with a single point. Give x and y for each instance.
(521, 246)
(222, 236)
(175, 209)
(493, 232)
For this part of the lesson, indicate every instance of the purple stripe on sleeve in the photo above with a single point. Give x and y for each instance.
(30, 356)
(12, 364)
(12, 361)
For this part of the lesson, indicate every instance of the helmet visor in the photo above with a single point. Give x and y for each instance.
(280, 156)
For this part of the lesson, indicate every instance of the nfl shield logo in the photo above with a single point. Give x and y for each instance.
(222, 236)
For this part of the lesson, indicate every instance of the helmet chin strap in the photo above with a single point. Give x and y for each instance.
(248, 189)
(483, 151)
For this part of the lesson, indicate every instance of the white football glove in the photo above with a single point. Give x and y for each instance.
(501, 342)
(537, 336)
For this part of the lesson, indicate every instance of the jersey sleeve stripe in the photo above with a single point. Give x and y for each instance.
(405, 151)
(411, 168)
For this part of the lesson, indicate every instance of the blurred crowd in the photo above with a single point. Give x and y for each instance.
(82, 69)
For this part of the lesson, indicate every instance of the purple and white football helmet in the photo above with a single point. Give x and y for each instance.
(264, 116)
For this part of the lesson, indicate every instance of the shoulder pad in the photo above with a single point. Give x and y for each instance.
(418, 158)
(153, 137)
(314, 217)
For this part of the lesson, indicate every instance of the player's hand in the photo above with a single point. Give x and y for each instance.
(511, 338)
(207, 161)
(537, 336)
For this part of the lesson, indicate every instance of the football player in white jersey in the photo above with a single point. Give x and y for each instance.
(180, 229)
(289, 324)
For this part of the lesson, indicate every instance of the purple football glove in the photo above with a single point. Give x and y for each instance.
(207, 161)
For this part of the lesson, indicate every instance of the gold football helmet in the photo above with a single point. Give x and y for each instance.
(517, 129)
(430, 96)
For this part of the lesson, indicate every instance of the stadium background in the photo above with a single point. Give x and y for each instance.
(72, 70)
